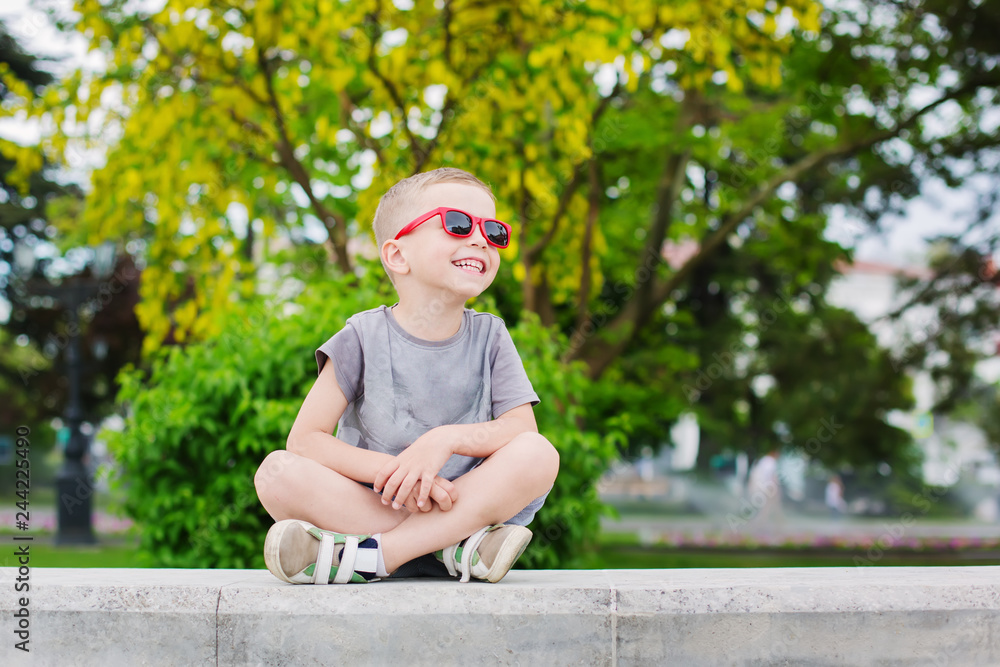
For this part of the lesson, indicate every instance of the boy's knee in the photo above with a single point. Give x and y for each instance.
(551, 457)
(540, 454)
(272, 468)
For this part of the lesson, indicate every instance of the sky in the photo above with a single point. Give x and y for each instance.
(901, 242)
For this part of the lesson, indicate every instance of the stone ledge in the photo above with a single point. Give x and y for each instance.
(800, 616)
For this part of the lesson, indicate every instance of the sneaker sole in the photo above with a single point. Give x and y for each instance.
(299, 547)
(510, 550)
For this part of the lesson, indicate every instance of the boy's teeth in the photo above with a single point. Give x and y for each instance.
(478, 266)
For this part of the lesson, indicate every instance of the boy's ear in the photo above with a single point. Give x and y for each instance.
(393, 259)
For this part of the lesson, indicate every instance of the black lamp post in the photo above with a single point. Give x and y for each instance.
(74, 485)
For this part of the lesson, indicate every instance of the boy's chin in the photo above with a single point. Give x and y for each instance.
(459, 289)
(467, 282)
(469, 293)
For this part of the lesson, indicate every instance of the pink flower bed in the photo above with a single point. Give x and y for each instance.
(46, 521)
(808, 540)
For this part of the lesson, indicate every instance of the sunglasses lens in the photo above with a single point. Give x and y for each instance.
(497, 234)
(457, 223)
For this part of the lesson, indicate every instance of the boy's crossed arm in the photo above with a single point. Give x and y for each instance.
(413, 473)
(311, 437)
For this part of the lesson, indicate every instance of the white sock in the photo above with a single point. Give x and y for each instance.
(380, 563)
(368, 561)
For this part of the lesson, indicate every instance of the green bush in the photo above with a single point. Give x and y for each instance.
(569, 522)
(202, 418)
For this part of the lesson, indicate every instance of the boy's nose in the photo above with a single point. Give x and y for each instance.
(477, 236)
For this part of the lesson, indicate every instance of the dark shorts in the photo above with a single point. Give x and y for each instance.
(423, 566)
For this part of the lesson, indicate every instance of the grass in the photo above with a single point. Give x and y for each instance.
(624, 551)
(636, 557)
(107, 553)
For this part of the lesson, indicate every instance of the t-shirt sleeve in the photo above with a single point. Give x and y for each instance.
(344, 348)
(510, 384)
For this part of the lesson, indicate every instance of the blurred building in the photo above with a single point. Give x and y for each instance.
(952, 450)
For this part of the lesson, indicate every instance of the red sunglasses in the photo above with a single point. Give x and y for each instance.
(459, 223)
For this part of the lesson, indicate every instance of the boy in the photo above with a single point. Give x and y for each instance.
(419, 480)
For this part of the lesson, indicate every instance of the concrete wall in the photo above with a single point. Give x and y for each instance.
(766, 616)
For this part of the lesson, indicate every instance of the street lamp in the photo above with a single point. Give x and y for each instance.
(74, 486)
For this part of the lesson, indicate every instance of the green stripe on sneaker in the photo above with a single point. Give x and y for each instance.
(355, 577)
(458, 556)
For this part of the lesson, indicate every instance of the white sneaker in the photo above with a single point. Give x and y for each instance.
(488, 554)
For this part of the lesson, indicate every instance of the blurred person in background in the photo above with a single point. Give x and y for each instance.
(764, 493)
(835, 496)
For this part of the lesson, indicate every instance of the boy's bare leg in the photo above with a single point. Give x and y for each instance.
(295, 487)
(499, 488)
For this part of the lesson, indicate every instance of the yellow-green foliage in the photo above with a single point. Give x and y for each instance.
(269, 106)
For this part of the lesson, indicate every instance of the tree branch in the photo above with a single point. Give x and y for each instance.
(196, 76)
(336, 225)
(586, 277)
(446, 16)
(953, 268)
(636, 311)
(669, 191)
(420, 155)
(534, 252)
(447, 110)
(347, 108)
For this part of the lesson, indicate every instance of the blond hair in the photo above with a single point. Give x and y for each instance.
(395, 208)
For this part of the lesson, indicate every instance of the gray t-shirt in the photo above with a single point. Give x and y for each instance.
(398, 386)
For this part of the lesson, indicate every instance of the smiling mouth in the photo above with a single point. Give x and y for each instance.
(471, 265)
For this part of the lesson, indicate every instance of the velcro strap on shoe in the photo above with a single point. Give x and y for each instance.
(448, 556)
(324, 559)
(468, 549)
(347, 559)
(366, 560)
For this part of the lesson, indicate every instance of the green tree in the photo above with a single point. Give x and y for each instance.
(607, 131)
(959, 311)
(982, 408)
(273, 107)
(34, 337)
(19, 203)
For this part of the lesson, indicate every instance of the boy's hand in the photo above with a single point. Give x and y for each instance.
(443, 492)
(414, 470)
